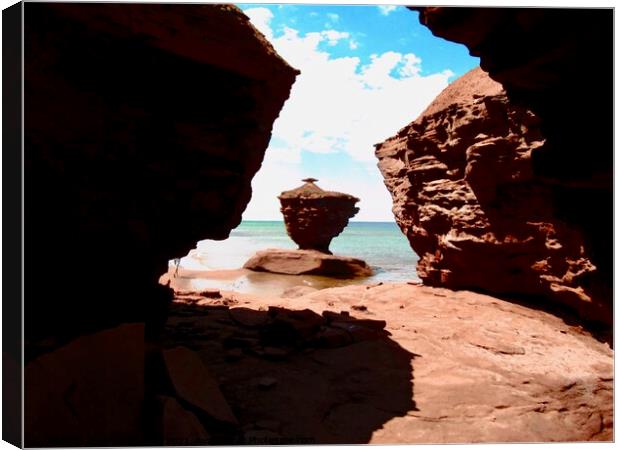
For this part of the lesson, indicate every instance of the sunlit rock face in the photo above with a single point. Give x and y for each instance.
(144, 127)
(464, 193)
(313, 216)
(559, 64)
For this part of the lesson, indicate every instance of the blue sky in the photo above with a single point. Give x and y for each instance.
(376, 32)
(366, 71)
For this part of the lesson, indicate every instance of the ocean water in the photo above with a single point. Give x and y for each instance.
(380, 244)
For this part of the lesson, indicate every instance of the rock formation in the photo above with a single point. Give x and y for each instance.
(145, 126)
(465, 195)
(559, 64)
(309, 262)
(313, 217)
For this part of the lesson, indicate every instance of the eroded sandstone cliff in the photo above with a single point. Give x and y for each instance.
(465, 195)
(144, 127)
(559, 64)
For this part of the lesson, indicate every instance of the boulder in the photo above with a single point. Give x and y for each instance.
(307, 262)
(465, 195)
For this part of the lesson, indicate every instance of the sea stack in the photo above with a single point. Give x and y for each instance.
(313, 217)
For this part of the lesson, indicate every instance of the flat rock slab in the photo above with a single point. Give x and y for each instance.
(180, 426)
(88, 392)
(307, 262)
(194, 384)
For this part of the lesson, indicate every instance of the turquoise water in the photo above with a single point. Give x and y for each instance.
(380, 244)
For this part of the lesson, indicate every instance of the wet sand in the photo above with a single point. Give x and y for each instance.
(250, 282)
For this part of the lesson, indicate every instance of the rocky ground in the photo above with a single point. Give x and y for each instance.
(393, 363)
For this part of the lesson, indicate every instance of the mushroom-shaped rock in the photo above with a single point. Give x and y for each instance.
(313, 217)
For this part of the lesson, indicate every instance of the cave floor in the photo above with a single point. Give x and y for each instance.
(386, 364)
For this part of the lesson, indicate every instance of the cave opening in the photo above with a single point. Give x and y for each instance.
(357, 63)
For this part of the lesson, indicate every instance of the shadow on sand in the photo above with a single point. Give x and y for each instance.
(294, 376)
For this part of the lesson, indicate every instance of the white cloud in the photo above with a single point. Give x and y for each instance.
(260, 18)
(386, 9)
(333, 17)
(353, 44)
(338, 105)
(333, 36)
(411, 66)
(274, 177)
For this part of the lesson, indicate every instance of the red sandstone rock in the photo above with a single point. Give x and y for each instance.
(146, 125)
(248, 317)
(292, 327)
(464, 194)
(312, 262)
(559, 64)
(313, 217)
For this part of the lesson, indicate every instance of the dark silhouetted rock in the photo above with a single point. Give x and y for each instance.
(180, 426)
(559, 64)
(313, 217)
(249, 317)
(267, 424)
(267, 382)
(194, 384)
(89, 392)
(146, 125)
(464, 193)
(310, 262)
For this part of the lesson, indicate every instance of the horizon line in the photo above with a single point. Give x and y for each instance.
(350, 221)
